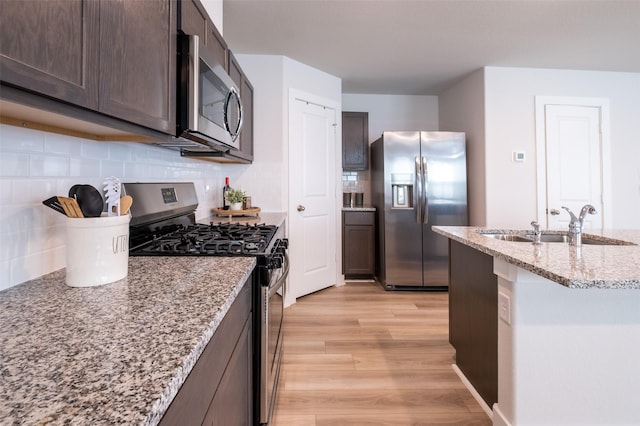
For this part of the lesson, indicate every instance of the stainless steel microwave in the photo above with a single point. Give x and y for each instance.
(209, 109)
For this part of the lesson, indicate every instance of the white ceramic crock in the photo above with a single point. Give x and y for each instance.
(97, 250)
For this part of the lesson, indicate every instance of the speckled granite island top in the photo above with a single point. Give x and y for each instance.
(113, 354)
(590, 266)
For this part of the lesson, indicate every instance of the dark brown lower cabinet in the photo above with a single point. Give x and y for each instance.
(219, 389)
(358, 244)
(473, 317)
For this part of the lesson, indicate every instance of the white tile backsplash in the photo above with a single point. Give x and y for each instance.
(5, 276)
(18, 139)
(36, 165)
(14, 164)
(119, 151)
(48, 165)
(358, 181)
(80, 167)
(6, 192)
(61, 144)
(90, 149)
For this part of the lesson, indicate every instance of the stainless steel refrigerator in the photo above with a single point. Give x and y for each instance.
(418, 180)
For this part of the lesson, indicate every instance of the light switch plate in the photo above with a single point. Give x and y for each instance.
(504, 307)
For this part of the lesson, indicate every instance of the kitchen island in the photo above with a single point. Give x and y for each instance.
(116, 353)
(568, 331)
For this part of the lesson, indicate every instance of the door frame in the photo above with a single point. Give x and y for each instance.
(541, 151)
(296, 94)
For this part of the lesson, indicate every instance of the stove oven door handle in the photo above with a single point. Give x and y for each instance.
(280, 281)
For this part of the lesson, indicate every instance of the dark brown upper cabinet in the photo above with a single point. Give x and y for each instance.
(246, 96)
(355, 141)
(51, 48)
(194, 20)
(116, 58)
(138, 62)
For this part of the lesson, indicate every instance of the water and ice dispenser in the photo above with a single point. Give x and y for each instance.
(402, 191)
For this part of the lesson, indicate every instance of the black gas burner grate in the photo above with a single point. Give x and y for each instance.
(211, 240)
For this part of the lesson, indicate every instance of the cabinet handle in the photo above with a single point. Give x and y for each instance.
(301, 208)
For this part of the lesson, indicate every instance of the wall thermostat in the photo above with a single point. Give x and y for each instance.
(518, 156)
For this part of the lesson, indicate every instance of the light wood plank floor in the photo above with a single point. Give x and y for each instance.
(360, 355)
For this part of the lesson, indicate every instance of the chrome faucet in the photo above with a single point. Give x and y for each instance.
(536, 233)
(576, 224)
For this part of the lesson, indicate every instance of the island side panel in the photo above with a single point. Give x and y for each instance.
(568, 356)
(473, 317)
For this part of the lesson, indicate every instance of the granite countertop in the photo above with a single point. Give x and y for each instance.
(588, 266)
(116, 353)
(359, 209)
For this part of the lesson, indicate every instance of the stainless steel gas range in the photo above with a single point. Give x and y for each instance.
(163, 224)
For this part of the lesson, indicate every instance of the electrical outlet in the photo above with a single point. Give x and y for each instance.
(504, 307)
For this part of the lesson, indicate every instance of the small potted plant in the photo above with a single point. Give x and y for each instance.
(234, 198)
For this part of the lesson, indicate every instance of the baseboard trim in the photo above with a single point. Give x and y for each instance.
(467, 384)
(499, 419)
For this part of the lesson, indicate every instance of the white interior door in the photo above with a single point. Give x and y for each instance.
(574, 154)
(312, 202)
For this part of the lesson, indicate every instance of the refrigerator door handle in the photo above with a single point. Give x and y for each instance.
(425, 183)
(417, 197)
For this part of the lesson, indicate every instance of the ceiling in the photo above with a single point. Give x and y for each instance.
(421, 47)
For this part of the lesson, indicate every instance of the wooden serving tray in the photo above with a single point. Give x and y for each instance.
(230, 213)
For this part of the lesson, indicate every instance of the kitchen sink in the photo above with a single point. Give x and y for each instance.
(593, 242)
(509, 237)
(552, 238)
(556, 238)
(564, 238)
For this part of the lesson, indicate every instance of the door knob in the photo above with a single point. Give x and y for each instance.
(301, 208)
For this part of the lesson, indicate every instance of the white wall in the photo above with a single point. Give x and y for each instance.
(394, 112)
(510, 125)
(267, 175)
(215, 8)
(462, 110)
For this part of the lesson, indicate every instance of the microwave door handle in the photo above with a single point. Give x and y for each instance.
(233, 93)
(417, 196)
(425, 187)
